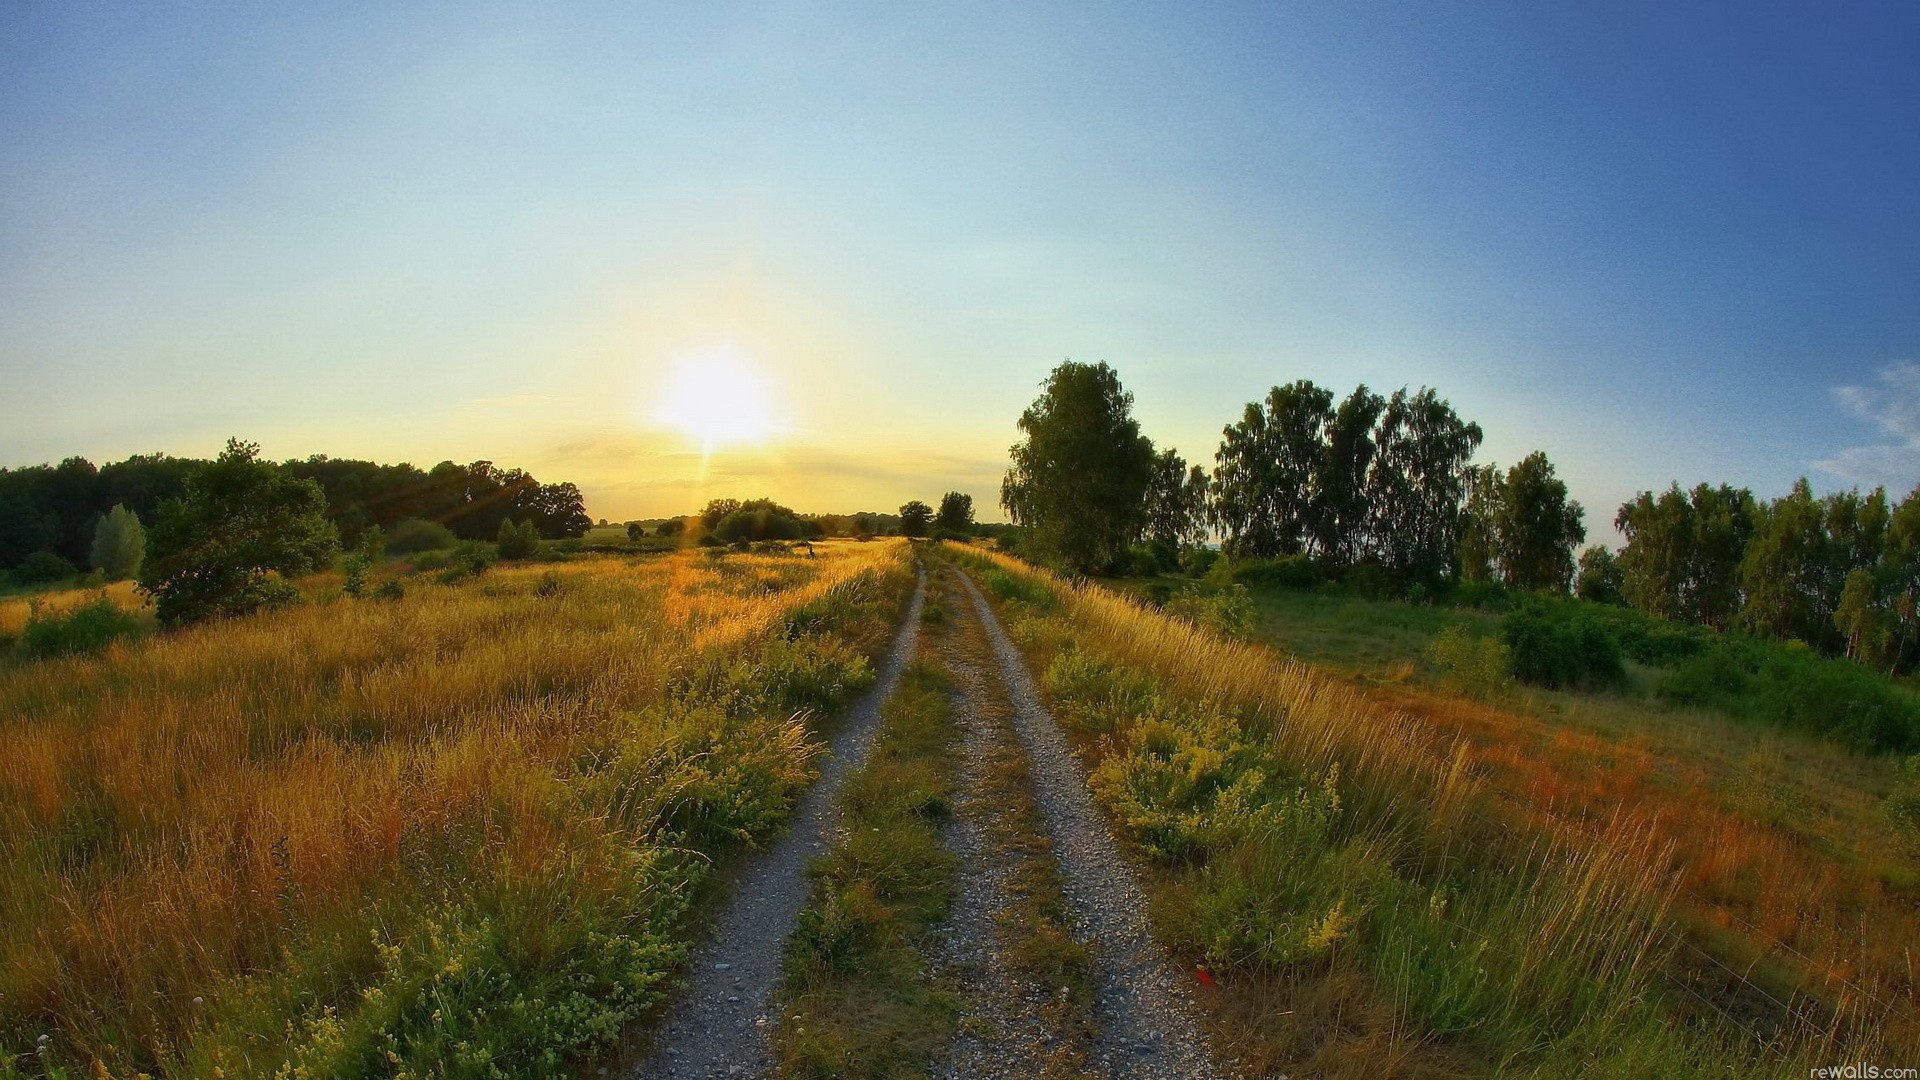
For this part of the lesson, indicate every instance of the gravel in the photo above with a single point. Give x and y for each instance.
(721, 1024)
(1004, 1030)
(1149, 1023)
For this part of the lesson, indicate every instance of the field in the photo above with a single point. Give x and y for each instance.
(457, 833)
(1543, 884)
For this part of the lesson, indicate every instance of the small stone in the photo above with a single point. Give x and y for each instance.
(722, 967)
(42, 1040)
(733, 998)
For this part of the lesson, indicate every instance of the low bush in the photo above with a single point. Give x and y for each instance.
(1197, 561)
(88, 628)
(1478, 667)
(1903, 804)
(43, 567)
(415, 535)
(518, 540)
(1791, 686)
(1010, 587)
(1227, 611)
(1562, 649)
(1286, 572)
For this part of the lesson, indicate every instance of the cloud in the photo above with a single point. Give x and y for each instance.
(1892, 405)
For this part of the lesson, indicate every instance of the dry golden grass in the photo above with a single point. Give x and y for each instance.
(15, 609)
(1600, 880)
(169, 810)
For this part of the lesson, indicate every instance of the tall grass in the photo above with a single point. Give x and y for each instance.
(1306, 837)
(455, 834)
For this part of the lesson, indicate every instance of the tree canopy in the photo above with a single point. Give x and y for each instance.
(1080, 473)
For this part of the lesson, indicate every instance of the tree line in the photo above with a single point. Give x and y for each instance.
(1840, 573)
(1378, 482)
(1385, 488)
(52, 512)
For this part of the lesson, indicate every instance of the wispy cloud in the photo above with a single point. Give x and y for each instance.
(1892, 405)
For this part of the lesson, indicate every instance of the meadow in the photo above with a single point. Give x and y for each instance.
(464, 832)
(1378, 877)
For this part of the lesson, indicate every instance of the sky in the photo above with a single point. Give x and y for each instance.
(1660, 241)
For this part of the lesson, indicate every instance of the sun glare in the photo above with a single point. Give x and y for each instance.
(718, 398)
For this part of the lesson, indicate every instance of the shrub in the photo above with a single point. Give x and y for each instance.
(415, 535)
(1227, 611)
(43, 567)
(1478, 667)
(1790, 686)
(390, 589)
(88, 628)
(1286, 572)
(1480, 595)
(470, 559)
(1008, 586)
(519, 540)
(1196, 561)
(1561, 652)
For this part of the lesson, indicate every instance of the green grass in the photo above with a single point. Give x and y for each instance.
(858, 999)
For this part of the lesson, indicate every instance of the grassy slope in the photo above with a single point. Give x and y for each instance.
(1372, 901)
(458, 833)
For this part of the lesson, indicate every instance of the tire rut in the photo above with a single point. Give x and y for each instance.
(721, 1024)
(1148, 1023)
(1013, 1023)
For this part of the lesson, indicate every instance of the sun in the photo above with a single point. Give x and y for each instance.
(718, 397)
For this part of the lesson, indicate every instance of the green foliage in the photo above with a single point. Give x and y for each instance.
(1015, 587)
(1198, 561)
(43, 568)
(955, 513)
(1793, 687)
(415, 535)
(228, 545)
(1683, 554)
(757, 520)
(519, 540)
(1079, 477)
(669, 527)
(1227, 611)
(635, 532)
(87, 628)
(1562, 648)
(1176, 511)
(1528, 525)
(119, 543)
(916, 518)
(1600, 578)
(1476, 667)
(361, 562)
(1285, 572)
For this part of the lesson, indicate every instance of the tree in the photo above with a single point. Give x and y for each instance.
(1078, 481)
(1783, 569)
(227, 545)
(518, 540)
(956, 513)
(1340, 476)
(916, 518)
(1862, 620)
(1684, 550)
(119, 543)
(1176, 503)
(1599, 577)
(635, 531)
(671, 527)
(1479, 524)
(1265, 501)
(1416, 483)
(1536, 527)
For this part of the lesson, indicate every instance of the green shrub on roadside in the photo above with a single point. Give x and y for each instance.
(88, 628)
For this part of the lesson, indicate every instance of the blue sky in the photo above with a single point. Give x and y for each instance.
(1660, 241)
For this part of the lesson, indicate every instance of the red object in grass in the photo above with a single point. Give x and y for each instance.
(1206, 978)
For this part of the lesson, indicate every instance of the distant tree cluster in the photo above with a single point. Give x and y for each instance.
(1840, 573)
(50, 512)
(1369, 481)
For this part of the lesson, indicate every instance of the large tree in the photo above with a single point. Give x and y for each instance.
(916, 518)
(228, 545)
(1176, 502)
(1079, 477)
(1340, 477)
(1416, 484)
(1264, 498)
(955, 513)
(1537, 526)
(119, 543)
